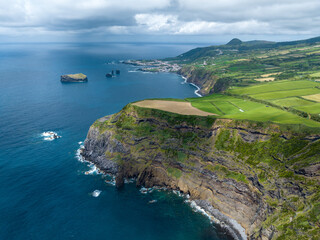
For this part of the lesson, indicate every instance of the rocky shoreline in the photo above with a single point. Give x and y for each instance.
(105, 166)
(237, 171)
(117, 156)
(205, 84)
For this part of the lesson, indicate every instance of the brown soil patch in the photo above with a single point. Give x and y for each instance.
(184, 108)
(243, 60)
(265, 79)
(270, 74)
(314, 97)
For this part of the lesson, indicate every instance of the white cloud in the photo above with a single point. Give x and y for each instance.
(156, 22)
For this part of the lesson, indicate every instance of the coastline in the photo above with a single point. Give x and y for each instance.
(236, 231)
(155, 65)
(198, 88)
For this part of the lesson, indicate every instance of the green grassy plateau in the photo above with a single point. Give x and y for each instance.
(258, 80)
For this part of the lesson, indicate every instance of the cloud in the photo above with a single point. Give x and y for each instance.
(156, 22)
(159, 17)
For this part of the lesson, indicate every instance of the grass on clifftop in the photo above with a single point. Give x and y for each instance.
(282, 102)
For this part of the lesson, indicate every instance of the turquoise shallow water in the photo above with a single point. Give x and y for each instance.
(44, 193)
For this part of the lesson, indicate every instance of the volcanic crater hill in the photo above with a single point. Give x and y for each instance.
(262, 175)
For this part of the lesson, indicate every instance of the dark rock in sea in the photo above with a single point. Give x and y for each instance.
(79, 77)
(112, 72)
(117, 71)
(120, 180)
(109, 75)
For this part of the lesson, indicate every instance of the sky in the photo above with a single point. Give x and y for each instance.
(157, 20)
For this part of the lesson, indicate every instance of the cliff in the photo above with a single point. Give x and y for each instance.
(79, 77)
(207, 80)
(263, 176)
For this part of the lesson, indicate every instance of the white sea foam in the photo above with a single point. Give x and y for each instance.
(197, 208)
(152, 201)
(144, 190)
(78, 154)
(196, 91)
(50, 135)
(130, 180)
(185, 80)
(235, 225)
(198, 88)
(80, 143)
(96, 193)
(112, 181)
(93, 170)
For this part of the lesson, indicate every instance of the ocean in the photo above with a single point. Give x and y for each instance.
(44, 191)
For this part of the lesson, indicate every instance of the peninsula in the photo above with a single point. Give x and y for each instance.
(247, 153)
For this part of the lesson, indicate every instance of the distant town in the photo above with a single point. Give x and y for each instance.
(154, 65)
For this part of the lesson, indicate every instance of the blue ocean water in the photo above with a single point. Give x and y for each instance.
(44, 193)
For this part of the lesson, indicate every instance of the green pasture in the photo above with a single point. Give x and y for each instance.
(292, 102)
(229, 107)
(285, 93)
(316, 74)
(275, 87)
(313, 108)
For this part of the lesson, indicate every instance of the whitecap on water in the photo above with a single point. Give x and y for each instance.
(78, 154)
(93, 170)
(50, 135)
(96, 193)
(144, 190)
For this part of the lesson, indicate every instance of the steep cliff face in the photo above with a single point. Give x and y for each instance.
(255, 174)
(205, 79)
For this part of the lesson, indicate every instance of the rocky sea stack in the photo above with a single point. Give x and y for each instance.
(78, 77)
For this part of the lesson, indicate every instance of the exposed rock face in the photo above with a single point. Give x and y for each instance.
(236, 171)
(79, 77)
(206, 81)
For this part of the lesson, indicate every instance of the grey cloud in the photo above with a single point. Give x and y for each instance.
(160, 17)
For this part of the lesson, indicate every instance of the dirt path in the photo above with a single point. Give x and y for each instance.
(184, 108)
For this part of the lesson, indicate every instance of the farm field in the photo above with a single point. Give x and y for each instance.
(300, 95)
(286, 93)
(276, 87)
(315, 97)
(236, 108)
(259, 81)
(283, 102)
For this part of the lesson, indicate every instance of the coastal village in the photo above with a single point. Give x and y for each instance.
(154, 65)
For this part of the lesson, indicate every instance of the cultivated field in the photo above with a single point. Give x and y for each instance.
(237, 108)
(284, 102)
(314, 97)
(184, 108)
